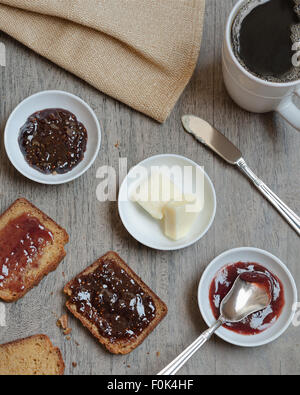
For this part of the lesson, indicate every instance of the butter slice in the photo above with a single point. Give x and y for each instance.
(180, 216)
(154, 193)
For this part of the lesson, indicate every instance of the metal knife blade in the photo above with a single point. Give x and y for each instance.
(218, 143)
(212, 138)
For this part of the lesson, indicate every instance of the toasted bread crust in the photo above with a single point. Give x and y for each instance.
(53, 254)
(13, 345)
(118, 347)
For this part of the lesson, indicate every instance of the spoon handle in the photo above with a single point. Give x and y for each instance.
(178, 362)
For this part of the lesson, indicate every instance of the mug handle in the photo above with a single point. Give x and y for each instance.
(289, 111)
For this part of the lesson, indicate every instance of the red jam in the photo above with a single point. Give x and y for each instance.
(22, 242)
(261, 320)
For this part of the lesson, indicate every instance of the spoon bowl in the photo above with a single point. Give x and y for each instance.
(251, 292)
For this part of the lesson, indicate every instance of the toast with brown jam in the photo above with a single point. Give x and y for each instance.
(34, 355)
(31, 246)
(114, 304)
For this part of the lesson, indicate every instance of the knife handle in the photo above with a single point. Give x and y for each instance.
(283, 209)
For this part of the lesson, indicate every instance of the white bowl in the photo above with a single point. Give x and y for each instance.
(41, 101)
(148, 230)
(270, 262)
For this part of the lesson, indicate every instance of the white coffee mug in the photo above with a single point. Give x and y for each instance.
(252, 93)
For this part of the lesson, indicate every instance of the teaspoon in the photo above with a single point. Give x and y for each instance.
(251, 292)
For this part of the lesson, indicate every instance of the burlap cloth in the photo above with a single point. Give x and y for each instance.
(141, 52)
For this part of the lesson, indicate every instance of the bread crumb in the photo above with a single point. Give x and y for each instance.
(74, 364)
(62, 322)
(67, 331)
(68, 337)
(117, 145)
(158, 354)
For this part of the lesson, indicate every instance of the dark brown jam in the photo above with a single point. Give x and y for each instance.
(22, 241)
(53, 141)
(113, 302)
(252, 272)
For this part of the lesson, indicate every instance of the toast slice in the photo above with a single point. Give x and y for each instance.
(16, 280)
(114, 304)
(34, 355)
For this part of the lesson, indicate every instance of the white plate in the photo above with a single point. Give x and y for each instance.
(146, 229)
(270, 262)
(41, 101)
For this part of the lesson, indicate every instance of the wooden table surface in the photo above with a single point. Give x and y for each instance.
(243, 217)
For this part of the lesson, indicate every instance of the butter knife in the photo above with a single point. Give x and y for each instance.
(217, 142)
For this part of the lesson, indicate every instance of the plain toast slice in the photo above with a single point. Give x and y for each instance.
(34, 355)
(117, 345)
(51, 255)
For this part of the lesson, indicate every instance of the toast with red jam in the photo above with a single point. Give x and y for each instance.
(31, 246)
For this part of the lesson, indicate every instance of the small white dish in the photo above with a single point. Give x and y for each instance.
(148, 230)
(270, 262)
(41, 101)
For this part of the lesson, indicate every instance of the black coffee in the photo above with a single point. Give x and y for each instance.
(263, 34)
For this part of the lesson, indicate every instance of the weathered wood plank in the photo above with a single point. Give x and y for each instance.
(243, 217)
